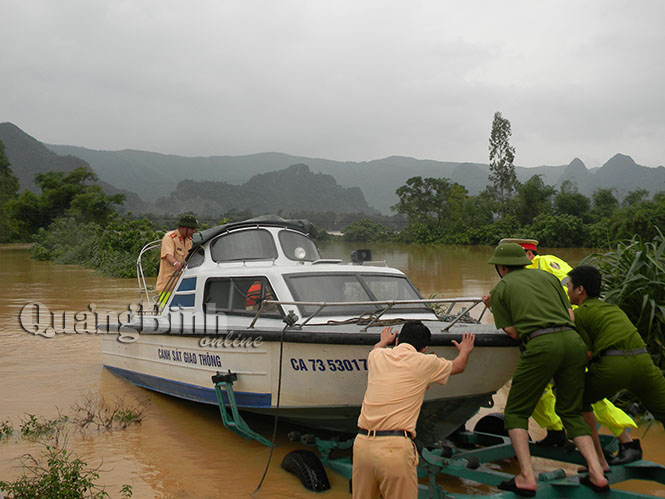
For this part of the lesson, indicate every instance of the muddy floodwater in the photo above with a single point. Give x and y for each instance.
(181, 449)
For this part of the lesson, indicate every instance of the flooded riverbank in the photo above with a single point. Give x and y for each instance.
(181, 449)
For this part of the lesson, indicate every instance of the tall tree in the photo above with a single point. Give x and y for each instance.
(63, 193)
(430, 200)
(533, 198)
(8, 182)
(604, 203)
(502, 170)
(571, 202)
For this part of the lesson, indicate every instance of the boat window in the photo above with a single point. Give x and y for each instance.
(254, 244)
(392, 288)
(350, 288)
(239, 295)
(297, 246)
(196, 259)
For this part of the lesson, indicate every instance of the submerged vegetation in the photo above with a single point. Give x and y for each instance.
(57, 471)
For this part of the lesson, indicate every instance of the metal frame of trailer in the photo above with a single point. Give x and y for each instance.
(465, 455)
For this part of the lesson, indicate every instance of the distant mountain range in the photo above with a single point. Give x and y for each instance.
(157, 179)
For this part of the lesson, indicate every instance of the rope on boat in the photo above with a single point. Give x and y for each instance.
(290, 320)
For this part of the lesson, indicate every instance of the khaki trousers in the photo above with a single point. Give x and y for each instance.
(384, 467)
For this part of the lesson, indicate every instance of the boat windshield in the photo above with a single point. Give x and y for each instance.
(254, 244)
(353, 287)
(297, 246)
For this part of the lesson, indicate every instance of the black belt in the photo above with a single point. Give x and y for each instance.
(621, 353)
(384, 433)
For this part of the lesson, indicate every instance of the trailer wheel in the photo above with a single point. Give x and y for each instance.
(492, 423)
(306, 465)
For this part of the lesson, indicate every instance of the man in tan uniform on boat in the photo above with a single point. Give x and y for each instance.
(175, 247)
(384, 455)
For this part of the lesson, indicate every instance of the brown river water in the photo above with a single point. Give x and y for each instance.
(182, 449)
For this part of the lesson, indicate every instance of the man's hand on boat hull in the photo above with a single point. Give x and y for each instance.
(387, 337)
(464, 347)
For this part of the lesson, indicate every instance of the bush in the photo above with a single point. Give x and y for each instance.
(6, 429)
(366, 230)
(111, 249)
(559, 231)
(35, 428)
(57, 473)
(491, 234)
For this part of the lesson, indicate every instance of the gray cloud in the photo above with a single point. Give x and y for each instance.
(344, 80)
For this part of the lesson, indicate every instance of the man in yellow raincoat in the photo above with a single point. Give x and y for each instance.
(607, 414)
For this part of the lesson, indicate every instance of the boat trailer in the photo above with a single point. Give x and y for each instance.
(465, 455)
(470, 453)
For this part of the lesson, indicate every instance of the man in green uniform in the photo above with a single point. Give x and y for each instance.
(619, 358)
(607, 414)
(532, 306)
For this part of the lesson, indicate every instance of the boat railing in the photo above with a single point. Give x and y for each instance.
(143, 285)
(373, 318)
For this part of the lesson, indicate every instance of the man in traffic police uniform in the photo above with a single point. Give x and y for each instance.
(607, 414)
(619, 357)
(384, 455)
(175, 247)
(533, 307)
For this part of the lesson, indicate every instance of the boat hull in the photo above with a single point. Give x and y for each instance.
(322, 383)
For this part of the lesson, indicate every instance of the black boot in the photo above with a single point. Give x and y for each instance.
(554, 438)
(632, 451)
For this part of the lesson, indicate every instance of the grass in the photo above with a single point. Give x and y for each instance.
(634, 279)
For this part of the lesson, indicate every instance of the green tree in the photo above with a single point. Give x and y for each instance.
(604, 203)
(645, 219)
(435, 201)
(63, 193)
(9, 184)
(366, 230)
(634, 197)
(558, 231)
(569, 201)
(502, 170)
(533, 198)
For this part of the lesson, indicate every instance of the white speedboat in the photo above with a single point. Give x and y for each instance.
(227, 312)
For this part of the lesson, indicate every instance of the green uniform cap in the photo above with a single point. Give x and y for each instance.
(188, 220)
(509, 254)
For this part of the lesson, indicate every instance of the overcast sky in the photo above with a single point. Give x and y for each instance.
(348, 80)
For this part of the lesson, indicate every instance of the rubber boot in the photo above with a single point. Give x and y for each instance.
(632, 451)
(554, 438)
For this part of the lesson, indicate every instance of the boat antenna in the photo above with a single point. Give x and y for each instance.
(290, 319)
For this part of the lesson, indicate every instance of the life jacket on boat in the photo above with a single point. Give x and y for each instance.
(254, 294)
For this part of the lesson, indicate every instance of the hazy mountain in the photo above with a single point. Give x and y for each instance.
(294, 189)
(154, 176)
(28, 157)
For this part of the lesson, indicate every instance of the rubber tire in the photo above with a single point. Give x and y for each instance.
(492, 423)
(306, 465)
